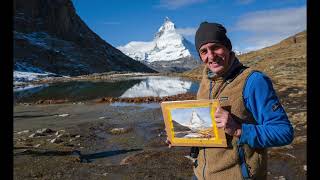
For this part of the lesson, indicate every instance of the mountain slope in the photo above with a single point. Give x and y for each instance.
(285, 62)
(168, 51)
(50, 36)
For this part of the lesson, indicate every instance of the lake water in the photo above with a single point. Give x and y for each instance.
(87, 90)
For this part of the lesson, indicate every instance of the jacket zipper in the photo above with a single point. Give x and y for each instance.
(204, 149)
(220, 88)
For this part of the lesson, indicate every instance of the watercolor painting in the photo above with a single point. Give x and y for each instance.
(191, 123)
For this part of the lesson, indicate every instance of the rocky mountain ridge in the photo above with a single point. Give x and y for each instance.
(49, 36)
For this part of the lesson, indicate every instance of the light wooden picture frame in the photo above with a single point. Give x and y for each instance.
(192, 123)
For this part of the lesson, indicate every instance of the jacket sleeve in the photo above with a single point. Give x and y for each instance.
(272, 127)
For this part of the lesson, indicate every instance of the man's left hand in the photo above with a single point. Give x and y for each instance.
(224, 120)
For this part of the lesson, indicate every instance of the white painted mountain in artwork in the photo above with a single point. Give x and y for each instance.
(196, 122)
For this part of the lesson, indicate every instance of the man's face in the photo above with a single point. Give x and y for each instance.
(215, 56)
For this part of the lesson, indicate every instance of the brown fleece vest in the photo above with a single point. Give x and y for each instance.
(223, 163)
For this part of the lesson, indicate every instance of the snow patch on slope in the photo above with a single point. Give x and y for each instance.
(25, 74)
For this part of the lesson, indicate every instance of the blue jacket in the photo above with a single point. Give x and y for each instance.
(273, 127)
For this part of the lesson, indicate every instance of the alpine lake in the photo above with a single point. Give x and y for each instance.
(78, 136)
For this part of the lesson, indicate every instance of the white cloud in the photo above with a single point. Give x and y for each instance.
(271, 26)
(187, 31)
(175, 4)
(291, 19)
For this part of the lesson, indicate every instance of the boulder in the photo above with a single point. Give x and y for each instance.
(45, 131)
(56, 140)
(22, 132)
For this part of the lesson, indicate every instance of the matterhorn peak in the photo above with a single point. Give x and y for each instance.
(167, 45)
(168, 24)
(167, 27)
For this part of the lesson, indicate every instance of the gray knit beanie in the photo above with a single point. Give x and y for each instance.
(212, 32)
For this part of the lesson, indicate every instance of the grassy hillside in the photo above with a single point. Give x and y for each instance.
(284, 62)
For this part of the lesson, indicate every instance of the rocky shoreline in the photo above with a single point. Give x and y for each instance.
(147, 99)
(104, 143)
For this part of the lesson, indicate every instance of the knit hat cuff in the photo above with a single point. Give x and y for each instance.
(211, 32)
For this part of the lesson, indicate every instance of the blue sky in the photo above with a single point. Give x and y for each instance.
(251, 24)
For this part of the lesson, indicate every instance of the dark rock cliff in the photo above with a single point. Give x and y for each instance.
(50, 36)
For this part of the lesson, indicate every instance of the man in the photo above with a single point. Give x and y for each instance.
(250, 112)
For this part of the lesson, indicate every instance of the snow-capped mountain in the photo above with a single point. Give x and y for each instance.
(196, 122)
(237, 52)
(167, 45)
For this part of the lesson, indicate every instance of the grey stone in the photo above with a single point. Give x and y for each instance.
(63, 135)
(63, 115)
(120, 130)
(59, 132)
(24, 131)
(36, 146)
(56, 140)
(60, 135)
(45, 130)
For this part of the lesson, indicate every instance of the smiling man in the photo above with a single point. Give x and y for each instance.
(250, 112)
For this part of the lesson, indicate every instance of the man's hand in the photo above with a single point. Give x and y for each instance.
(224, 120)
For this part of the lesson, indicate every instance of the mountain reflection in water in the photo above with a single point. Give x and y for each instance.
(160, 86)
(87, 90)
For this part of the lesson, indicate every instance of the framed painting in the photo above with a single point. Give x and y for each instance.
(192, 123)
